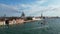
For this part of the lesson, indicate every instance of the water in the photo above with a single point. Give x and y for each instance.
(52, 26)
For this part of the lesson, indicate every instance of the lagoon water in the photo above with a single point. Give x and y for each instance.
(52, 26)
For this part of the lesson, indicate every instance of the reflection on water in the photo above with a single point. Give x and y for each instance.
(52, 26)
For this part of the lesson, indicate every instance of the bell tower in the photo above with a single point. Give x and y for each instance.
(22, 15)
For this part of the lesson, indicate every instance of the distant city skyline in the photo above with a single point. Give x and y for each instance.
(30, 7)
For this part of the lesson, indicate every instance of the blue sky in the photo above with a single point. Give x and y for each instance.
(30, 7)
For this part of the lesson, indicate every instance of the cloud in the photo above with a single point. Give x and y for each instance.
(31, 8)
(8, 10)
(35, 8)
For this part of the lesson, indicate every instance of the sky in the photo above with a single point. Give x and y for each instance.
(30, 7)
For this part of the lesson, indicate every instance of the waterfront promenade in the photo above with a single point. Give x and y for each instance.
(16, 22)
